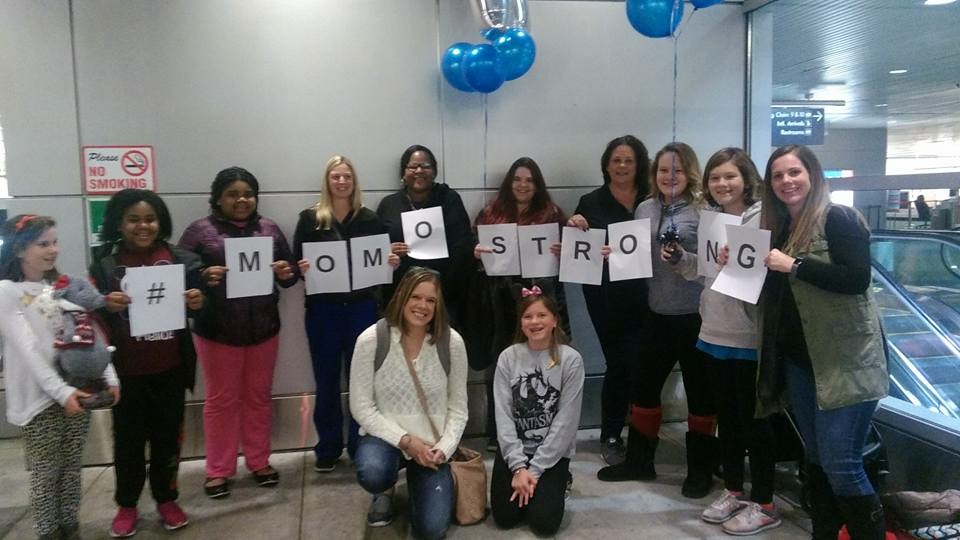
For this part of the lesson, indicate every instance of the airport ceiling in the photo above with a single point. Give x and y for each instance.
(846, 49)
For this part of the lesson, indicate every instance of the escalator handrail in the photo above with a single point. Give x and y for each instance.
(949, 237)
(916, 309)
(944, 237)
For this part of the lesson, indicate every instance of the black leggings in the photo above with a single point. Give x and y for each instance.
(668, 339)
(735, 386)
(616, 314)
(151, 411)
(545, 509)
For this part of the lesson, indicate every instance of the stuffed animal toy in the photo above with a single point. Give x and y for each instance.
(81, 346)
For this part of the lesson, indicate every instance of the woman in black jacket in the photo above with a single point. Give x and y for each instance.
(616, 308)
(334, 320)
(418, 172)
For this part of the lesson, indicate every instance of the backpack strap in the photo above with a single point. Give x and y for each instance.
(443, 351)
(383, 347)
(383, 344)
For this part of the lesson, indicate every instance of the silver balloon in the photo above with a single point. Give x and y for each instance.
(500, 14)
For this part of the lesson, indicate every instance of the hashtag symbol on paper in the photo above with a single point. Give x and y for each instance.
(155, 293)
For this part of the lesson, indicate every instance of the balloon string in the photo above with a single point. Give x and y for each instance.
(677, 5)
(486, 123)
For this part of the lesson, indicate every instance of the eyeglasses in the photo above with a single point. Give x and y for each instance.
(414, 166)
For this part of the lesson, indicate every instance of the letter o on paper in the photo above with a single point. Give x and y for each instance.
(418, 227)
(633, 243)
(320, 261)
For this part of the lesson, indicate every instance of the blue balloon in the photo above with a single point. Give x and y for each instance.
(491, 34)
(452, 66)
(654, 18)
(699, 4)
(517, 52)
(482, 68)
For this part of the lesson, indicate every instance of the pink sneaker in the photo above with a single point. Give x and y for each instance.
(124, 523)
(172, 515)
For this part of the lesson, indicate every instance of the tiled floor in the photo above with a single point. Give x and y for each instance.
(309, 505)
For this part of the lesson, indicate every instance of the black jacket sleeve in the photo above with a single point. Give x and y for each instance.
(849, 242)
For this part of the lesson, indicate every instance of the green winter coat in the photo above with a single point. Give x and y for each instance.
(843, 337)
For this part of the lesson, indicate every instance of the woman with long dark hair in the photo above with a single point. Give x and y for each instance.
(821, 347)
(490, 315)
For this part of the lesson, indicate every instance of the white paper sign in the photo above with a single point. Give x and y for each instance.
(502, 239)
(580, 259)
(536, 259)
(249, 270)
(156, 298)
(369, 257)
(329, 270)
(630, 255)
(743, 276)
(711, 237)
(424, 233)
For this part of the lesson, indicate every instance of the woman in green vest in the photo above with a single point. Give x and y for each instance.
(821, 347)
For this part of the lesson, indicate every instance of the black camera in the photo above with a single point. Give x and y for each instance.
(670, 236)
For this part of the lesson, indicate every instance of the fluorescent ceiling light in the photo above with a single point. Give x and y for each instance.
(897, 71)
(938, 2)
(809, 103)
(880, 105)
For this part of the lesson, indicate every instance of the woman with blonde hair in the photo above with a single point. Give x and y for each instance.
(670, 332)
(408, 392)
(334, 320)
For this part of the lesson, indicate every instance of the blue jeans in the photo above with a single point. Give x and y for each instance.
(832, 439)
(332, 330)
(431, 492)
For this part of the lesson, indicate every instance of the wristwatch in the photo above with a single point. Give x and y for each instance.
(796, 266)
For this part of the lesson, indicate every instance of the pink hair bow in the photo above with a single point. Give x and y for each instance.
(532, 291)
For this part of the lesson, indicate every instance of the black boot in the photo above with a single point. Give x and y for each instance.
(824, 515)
(702, 453)
(864, 517)
(638, 464)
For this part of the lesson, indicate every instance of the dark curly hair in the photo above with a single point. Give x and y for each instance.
(123, 200)
(640, 153)
(226, 177)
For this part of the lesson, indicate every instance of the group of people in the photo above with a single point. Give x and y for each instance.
(813, 343)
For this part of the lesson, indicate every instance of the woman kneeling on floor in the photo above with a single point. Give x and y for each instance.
(408, 393)
(538, 389)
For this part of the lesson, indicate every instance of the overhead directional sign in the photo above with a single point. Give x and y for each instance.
(796, 125)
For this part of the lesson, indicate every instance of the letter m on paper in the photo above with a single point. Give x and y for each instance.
(248, 264)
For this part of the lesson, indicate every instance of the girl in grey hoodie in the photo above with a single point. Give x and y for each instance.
(728, 334)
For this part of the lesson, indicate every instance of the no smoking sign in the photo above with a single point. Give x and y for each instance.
(109, 169)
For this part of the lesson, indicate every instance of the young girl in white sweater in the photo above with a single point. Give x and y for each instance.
(38, 399)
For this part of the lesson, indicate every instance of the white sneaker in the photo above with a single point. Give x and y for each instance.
(381, 510)
(751, 520)
(722, 509)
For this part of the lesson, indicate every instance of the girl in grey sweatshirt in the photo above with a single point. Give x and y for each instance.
(538, 388)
